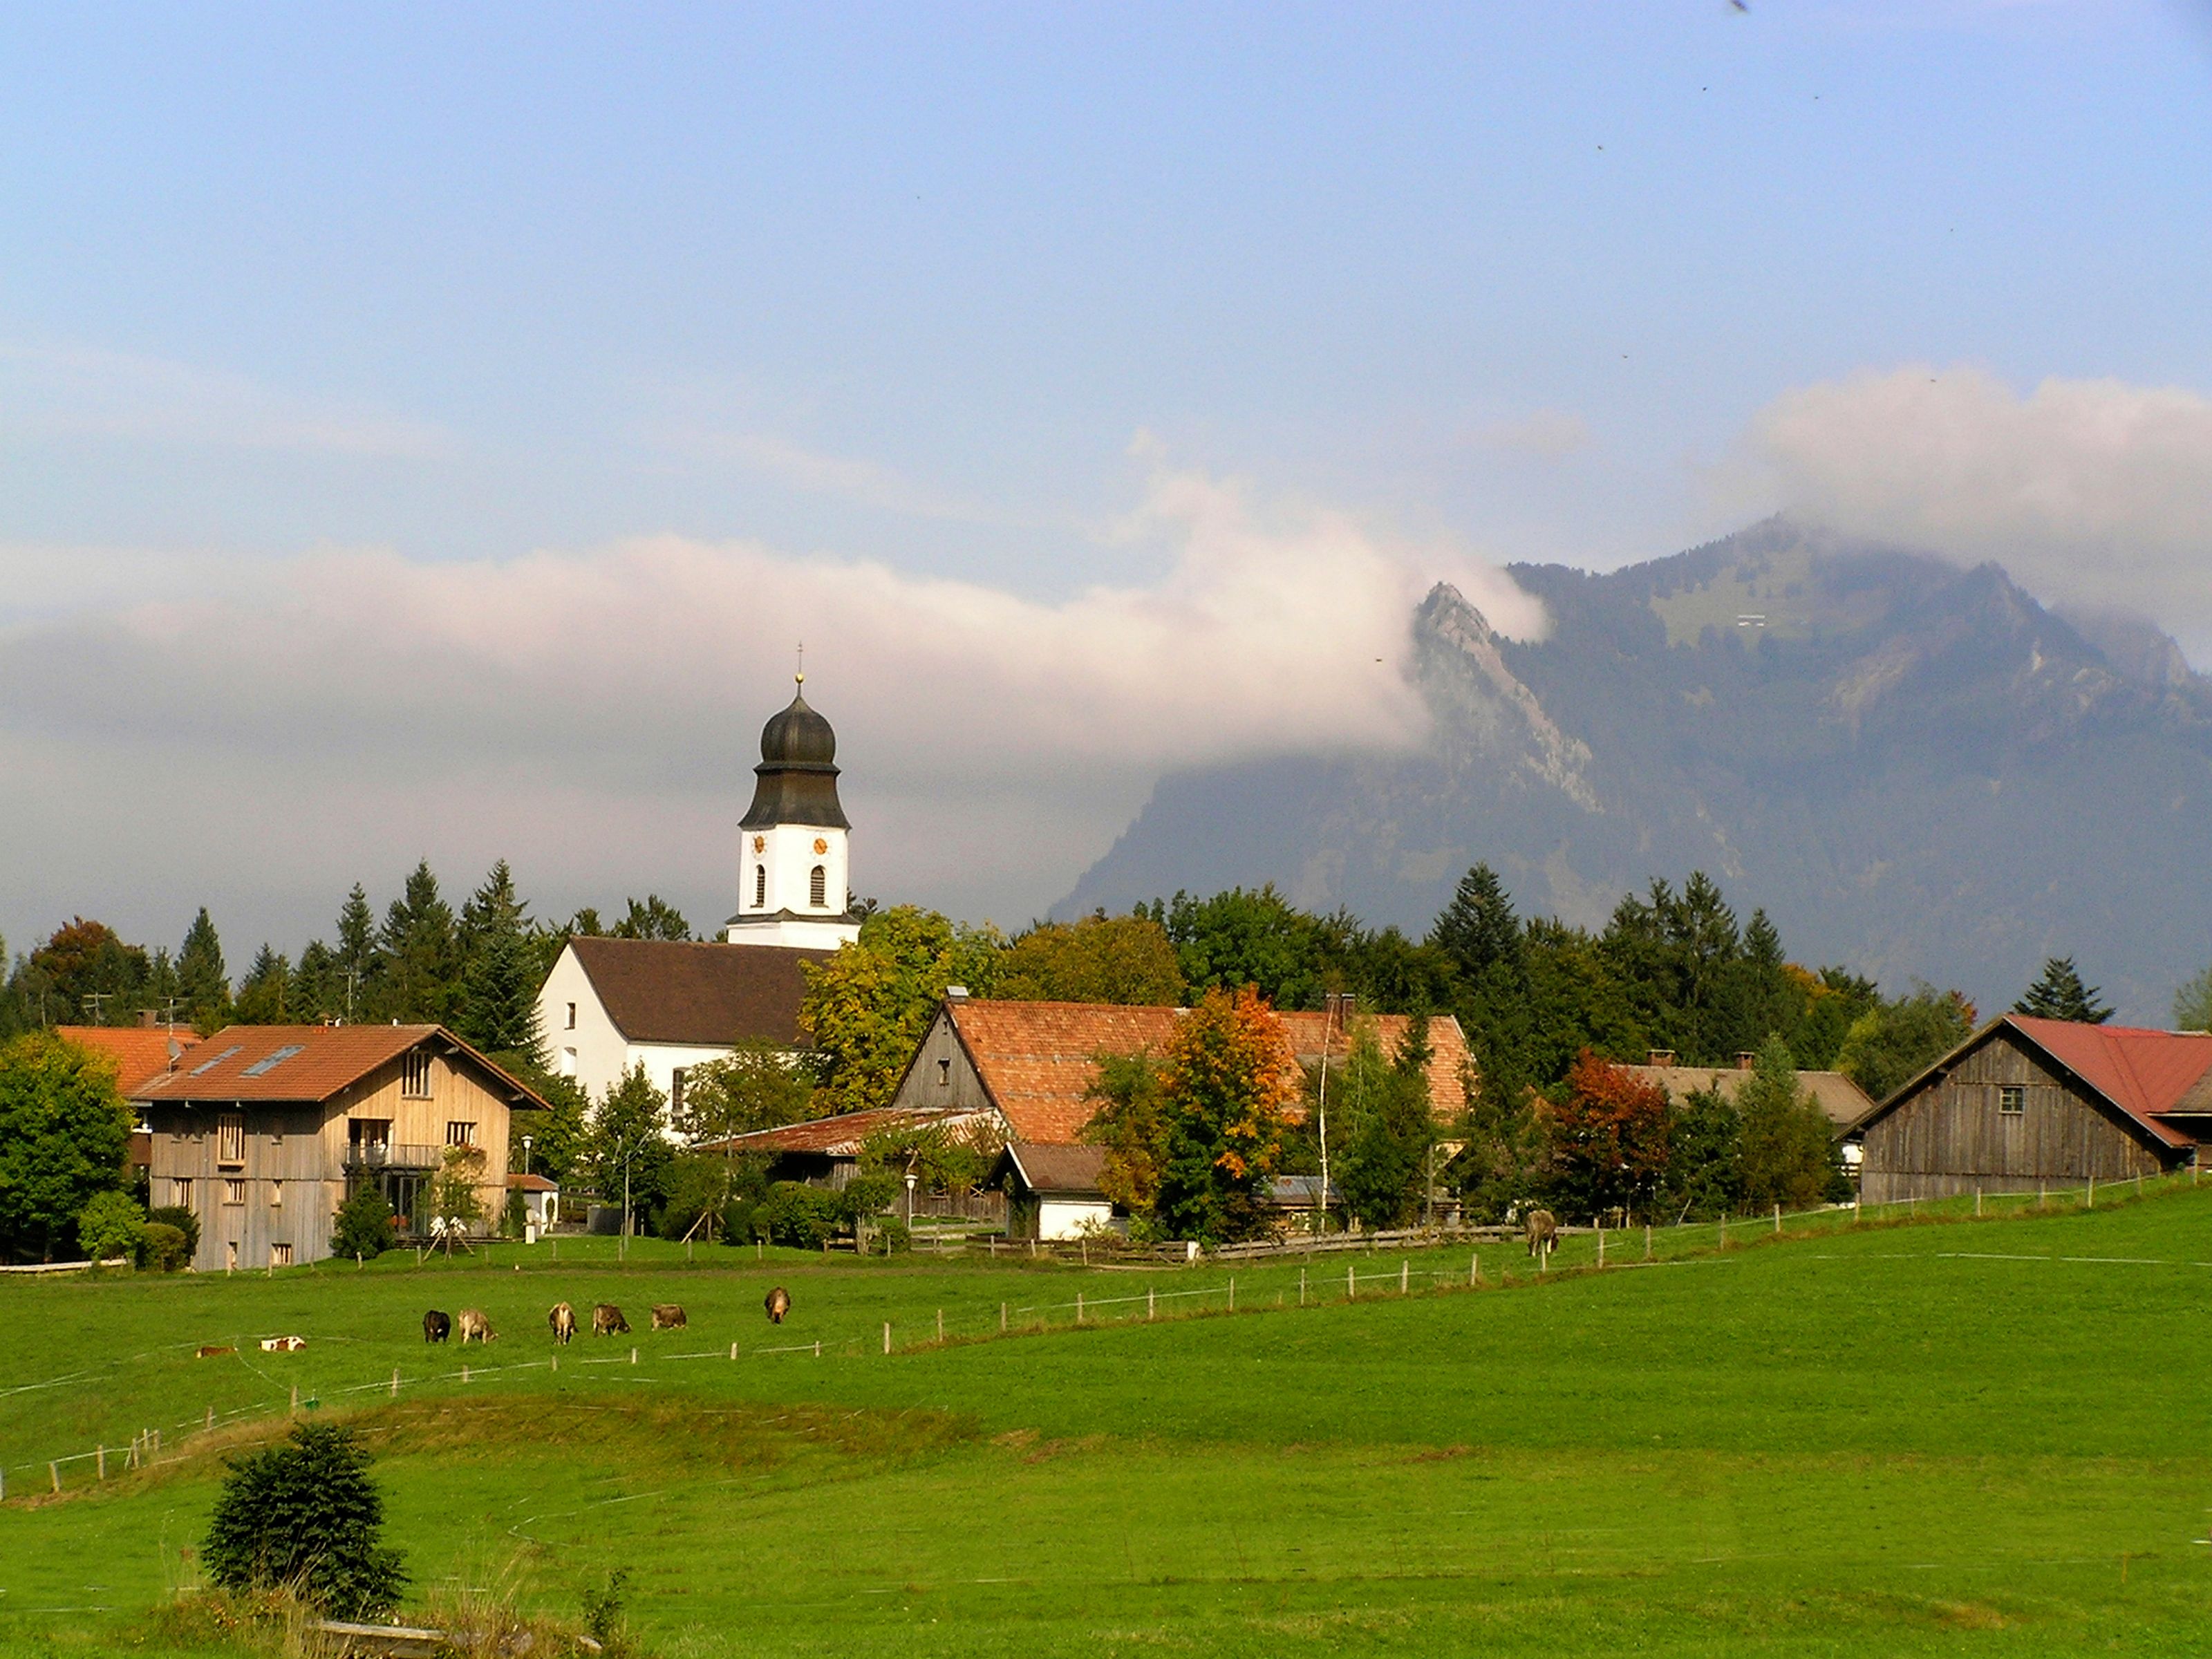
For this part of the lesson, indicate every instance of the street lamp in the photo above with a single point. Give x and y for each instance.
(526, 1154)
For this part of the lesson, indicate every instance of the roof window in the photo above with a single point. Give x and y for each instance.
(207, 1066)
(263, 1067)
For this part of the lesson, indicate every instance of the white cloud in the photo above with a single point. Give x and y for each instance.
(550, 704)
(2087, 491)
(84, 391)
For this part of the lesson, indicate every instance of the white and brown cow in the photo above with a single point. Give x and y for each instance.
(1542, 1227)
(474, 1326)
(562, 1319)
(668, 1316)
(607, 1320)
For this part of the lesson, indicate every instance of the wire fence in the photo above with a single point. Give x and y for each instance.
(1650, 1245)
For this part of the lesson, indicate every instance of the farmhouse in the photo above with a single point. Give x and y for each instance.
(267, 1130)
(138, 1053)
(2025, 1103)
(1840, 1100)
(1032, 1063)
(1053, 1192)
(613, 1004)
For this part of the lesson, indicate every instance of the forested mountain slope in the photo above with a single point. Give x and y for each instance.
(1915, 769)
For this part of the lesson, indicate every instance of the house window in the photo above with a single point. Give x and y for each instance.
(280, 1255)
(180, 1195)
(233, 1191)
(572, 1018)
(817, 887)
(276, 1194)
(230, 1139)
(568, 1062)
(676, 1089)
(230, 1255)
(460, 1134)
(944, 1073)
(760, 887)
(414, 1076)
(2012, 1100)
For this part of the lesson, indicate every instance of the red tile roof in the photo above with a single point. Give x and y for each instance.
(242, 1063)
(2145, 1073)
(665, 991)
(1037, 1059)
(140, 1052)
(1842, 1101)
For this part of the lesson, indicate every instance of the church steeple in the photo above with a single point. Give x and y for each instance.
(792, 864)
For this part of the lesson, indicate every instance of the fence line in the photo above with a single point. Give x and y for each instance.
(148, 1446)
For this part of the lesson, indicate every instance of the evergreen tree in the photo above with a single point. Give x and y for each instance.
(625, 1139)
(1478, 929)
(314, 985)
(1789, 1153)
(2060, 994)
(1386, 1166)
(306, 1517)
(1704, 1159)
(354, 962)
(2192, 1003)
(654, 918)
(498, 1010)
(417, 955)
(265, 994)
(203, 985)
(64, 1139)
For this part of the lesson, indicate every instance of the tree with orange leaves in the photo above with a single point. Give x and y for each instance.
(1229, 1074)
(1604, 1139)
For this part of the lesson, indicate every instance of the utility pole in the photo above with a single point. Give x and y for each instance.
(1334, 1005)
(93, 1001)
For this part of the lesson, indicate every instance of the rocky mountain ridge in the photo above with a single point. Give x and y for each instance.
(1919, 770)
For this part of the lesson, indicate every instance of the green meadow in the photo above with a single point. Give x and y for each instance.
(1942, 1436)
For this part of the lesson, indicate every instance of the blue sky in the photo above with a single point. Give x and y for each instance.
(998, 307)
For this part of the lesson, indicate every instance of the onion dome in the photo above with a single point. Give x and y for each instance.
(798, 773)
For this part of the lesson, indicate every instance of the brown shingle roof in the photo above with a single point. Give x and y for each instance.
(1842, 1101)
(1037, 1059)
(246, 1062)
(140, 1052)
(664, 991)
(1058, 1172)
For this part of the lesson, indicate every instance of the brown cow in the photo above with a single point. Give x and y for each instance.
(668, 1316)
(437, 1327)
(607, 1320)
(562, 1319)
(778, 1303)
(474, 1326)
(1543, 1230)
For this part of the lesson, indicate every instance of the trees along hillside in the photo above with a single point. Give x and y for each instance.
(64, 1140)
(867, 1007)
(1228, 1076)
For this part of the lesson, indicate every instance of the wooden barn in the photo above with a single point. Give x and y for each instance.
(2026, 1104)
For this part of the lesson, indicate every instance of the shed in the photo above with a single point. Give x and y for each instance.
(2026, 1104)
(1055, 1189)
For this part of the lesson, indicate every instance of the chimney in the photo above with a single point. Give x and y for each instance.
(1743, 1059)
(146, 1020)
(956, 994)
(1661, 1057)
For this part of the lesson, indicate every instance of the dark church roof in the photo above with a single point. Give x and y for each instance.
(664, 991)
(798, 772)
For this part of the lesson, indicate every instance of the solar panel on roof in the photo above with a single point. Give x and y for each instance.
(207, 1066)
(263, 1067)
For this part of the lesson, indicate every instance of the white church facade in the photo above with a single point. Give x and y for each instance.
(611, 1005)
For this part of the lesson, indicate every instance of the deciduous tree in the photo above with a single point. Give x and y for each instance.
(867, 1007)
(1606, 1140)
(1101, 959)
(1229, 1074)
(64, 1137)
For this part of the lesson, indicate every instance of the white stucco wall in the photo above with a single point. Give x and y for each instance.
(1059, 1217)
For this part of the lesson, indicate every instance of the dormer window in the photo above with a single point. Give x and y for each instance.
(817, 887)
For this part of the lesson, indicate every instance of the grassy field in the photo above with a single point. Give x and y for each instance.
(1889, 1440)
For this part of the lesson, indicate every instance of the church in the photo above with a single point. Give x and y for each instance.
(611, 1005)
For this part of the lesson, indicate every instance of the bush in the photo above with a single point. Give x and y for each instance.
(867, 1196)
(110, 1225)
(889, 1236)
(741, 1223)
(180, 1216)
(805, 1218)
(163, 1248)
(306, 1517)
(364, 1226)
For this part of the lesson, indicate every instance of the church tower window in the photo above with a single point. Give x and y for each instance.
(760, 887)
(817, 887)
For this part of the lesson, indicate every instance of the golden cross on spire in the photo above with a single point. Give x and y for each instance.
(799, 677)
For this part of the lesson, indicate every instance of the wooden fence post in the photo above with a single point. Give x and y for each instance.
(2092, 1191)
(102, 1455)
(1405, 1275)
(1724, 1230)
(1079, 1307)
(1647, 1241)
(733, 1352)
(632, 1356)
(54, 1474)
(395, 1382)
(1002, 1318)
(1978, 1201)
(1351, 1284)
(464, 1370)
(817, 1348)
(1149, 1313)
(1474, 1268)
(887, 1336)
(1232, 1292)
(1601, 1244)
(940, 1324)
(295, 1400)
(210, 1419)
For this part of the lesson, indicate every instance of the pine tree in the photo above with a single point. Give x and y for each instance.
(311, 998)
(202, 986)
(1478, 929)
(653, 919)
(1789, 1153)
(354, 964)
(265, 994)
(498, 1010)
(2060, 994)
(1386, 1166)
(418, 954)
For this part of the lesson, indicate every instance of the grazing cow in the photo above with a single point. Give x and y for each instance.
(1543, 1229)
(607, 1320)
(437, 1327)
(668, 1316)
(475, 1327)
(778, 1303)
(562, 1319)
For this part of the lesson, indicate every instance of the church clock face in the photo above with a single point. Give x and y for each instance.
(760, 843)
(820, 846)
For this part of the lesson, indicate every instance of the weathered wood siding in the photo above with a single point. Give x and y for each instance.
(941, 1075)
(1950, 1138)
(292, 1162)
